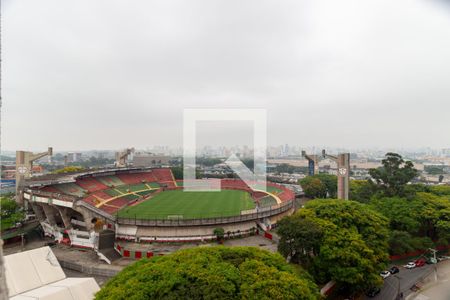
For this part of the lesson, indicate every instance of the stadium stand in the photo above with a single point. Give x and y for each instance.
(119, 202)
(267, 201)
(50, 189)
(149, 176)
(110, 180)
(258, 195)
(164, 176)
(101, 195)
(145, 193)
(132, 188)
(91, 200)
(234, 184)
(132, 178)
(110, 209)
(286, 195)
(71, 189)
(131, 197)
(113, 192)
(90, 184)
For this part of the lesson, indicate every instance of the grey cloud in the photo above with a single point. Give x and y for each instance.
(105, 74)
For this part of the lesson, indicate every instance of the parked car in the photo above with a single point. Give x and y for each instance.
(385, 274)
(394, 270)
(410, 265)
(420, 262)
(373, 292)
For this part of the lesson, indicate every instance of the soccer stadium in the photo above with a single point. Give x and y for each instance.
(149, 205)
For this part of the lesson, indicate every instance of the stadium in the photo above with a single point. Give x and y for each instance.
(148, 205)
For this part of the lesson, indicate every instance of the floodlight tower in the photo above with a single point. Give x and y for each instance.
(343, 166)
(24, 166)
(121, 157)
(313, 163)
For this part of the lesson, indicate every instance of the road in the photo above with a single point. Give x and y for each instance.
(406, 278)
(439, 290)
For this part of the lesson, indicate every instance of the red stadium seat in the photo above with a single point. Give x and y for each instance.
(90, 184)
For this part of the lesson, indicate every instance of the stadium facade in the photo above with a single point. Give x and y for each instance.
(77, 209)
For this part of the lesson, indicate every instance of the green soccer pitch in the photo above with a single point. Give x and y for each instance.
(190, 205)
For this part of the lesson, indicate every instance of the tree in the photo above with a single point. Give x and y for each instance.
(313, 187)
(219, 233)
(10, 213)
(177, 172)
(415, 222)
(300, 239)
(208, 161)
(330, 182)
(211, 273)
(352, 246)
(440, 190)
(403, 215)
(361, 191)
(69, 169)
(391, 179)
(435, 216)
(319, 186)
(400, 242)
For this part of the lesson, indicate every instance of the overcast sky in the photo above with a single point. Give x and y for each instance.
(110, 74)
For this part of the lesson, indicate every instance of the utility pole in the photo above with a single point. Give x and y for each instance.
(434, 261)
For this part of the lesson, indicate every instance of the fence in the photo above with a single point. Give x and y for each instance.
(165, 222)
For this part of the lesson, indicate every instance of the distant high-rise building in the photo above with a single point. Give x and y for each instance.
(74, 156)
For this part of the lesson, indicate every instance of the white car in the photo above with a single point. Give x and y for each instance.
(410, 265)
(385, 274)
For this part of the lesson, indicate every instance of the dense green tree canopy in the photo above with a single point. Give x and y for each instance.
(349, 241)
(330, 182)
(211, 273)
(319, 186)
(435, 216)
(415, 222)
(313, 187)
(361, 191)
(300, 240)
(393, 176)
(402, 213)
(440, 190)
(69, 169)
(10, 212)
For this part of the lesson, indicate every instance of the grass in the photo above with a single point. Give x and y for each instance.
(191, 205)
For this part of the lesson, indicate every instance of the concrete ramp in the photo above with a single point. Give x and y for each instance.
(105, 249)
(108, 255)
